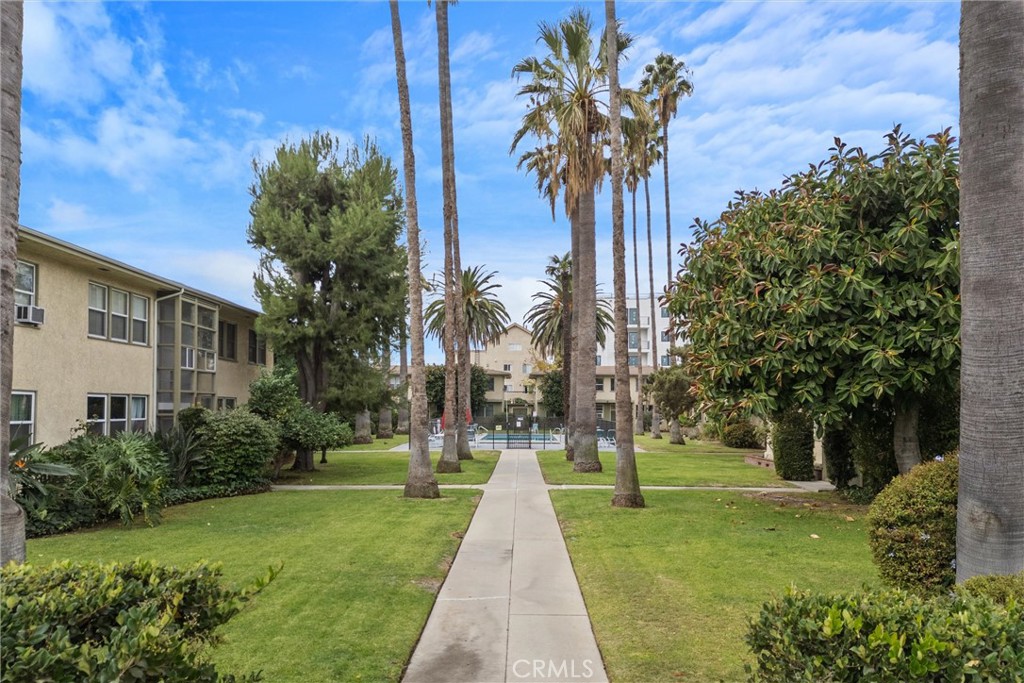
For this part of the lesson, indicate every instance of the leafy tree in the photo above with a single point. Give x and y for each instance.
(479, 385)
(840, 289)
(671, 388)
(330, 279)
(990, 524)
(420, 481)
(551, 384)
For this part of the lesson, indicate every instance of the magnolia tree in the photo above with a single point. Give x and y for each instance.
(840, 289)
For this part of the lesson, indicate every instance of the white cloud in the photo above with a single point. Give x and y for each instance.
(68, 217)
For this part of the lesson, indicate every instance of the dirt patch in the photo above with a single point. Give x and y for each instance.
(457, 534)
(445, 564)
(430, 585)
(812, 501)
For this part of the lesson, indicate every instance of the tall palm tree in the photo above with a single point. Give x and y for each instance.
(653, 156)
(403, 377)
(568, 110)
(420, 481)
(627, 484)
(12, 517)
(990, 512)
(449, 460)
(666, 80)
(484, 317)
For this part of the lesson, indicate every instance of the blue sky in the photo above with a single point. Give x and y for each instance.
(141, 120)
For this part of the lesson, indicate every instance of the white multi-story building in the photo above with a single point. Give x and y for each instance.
(642, 331)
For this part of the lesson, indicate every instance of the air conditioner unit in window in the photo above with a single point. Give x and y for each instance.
(32, 315)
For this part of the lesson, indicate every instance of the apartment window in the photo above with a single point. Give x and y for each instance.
(118, 315)
(508, 386)
(664, 312)
(140, 320)
(599, 386)
(634, 316)
(23, 416)
(634, 361)
(665, 361)
(225, 403)
(228, 340)
(96, 413)
(118, 421)
(665, 336)
(257, 349)
(526, 368)
(514, 346)
(494, 384)
(507, 367)
(206, 340)
(97, 310)
(140, 414)
(633, 339)
(25, 284)
(611, 381)
(597, 360)
(488, 410)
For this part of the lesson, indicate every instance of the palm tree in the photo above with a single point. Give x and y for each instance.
(449, 460)
(666, 80)
(403, 377)
(420, 481)
(990, 512)
(12, 517)
(653, 156)
(627, 484)
(567, 113)
(484, 316)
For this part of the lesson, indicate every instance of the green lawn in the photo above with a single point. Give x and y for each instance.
(379, 444)
(681, 468)
(360, 571)
(354, 467)
(670, 588)
(691, 446)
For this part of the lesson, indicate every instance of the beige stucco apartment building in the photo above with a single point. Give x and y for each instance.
(102, 343)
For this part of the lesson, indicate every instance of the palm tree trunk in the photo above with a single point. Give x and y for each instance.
(638, 427)
(627, 484)
(574, 333)
(904, 433)
(403, 375)
(420, 481)
(675, 434)
(990, 512)
(363, 433)
(465, 375)
(566, 315)
(655, 410)
(585, 457)
(384, 429)
(12, 517)
(449, 461)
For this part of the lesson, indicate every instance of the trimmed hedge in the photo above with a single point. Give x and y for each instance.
(191, 494)
(740, 435)
(115, 622)
(912, 528)
(240, 447)
(793, 445)
(1000, 589)
(886, 637)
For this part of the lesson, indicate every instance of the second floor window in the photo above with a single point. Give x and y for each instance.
(634, 316)
(97, 310)
(507, 367)
(600, 384)
(257, 348)
(597, 360)
(666, 361)
(117, 315)
(228, 340)
(664, 312)
(25, 284)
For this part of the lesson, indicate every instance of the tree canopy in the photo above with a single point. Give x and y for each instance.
(331, 278)
(840, 288)
(479, 385)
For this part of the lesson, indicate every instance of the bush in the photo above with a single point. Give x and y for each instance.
(239, 445)
(192, 419)
(115, 622)
(183, 452)
(889, 637)
(912, 528)
(740, 435)
(872, 448)
(190, 494)
(838, 453)
(999, 589)
(793, 445)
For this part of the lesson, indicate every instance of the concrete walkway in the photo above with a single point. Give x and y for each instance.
(511, 608)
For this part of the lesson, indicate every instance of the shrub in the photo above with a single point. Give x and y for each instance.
(190, 494)
(118, 476)
(183, 451)
(1000, 589)
(872, 449)
(193, 418)
(740, 435)
(239, 447)
(793, 445)
(912, 528)
(838, 453)
(887, 637)
(115, 622)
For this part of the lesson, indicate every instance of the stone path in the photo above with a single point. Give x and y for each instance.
(511, 608)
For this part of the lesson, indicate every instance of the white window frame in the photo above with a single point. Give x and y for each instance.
(102, 421)
(32, 415)
(126, 421)
(35, 283)
(597, 360)
(105, 310)
(126, 315)
(222, 402)
(599, 384)
(506, 367)
(134, 319)
(188, 358)
(132, 419)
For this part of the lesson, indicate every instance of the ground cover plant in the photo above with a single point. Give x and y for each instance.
(685, 467)
(358, 468)
(359, 576)
(700, 565)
